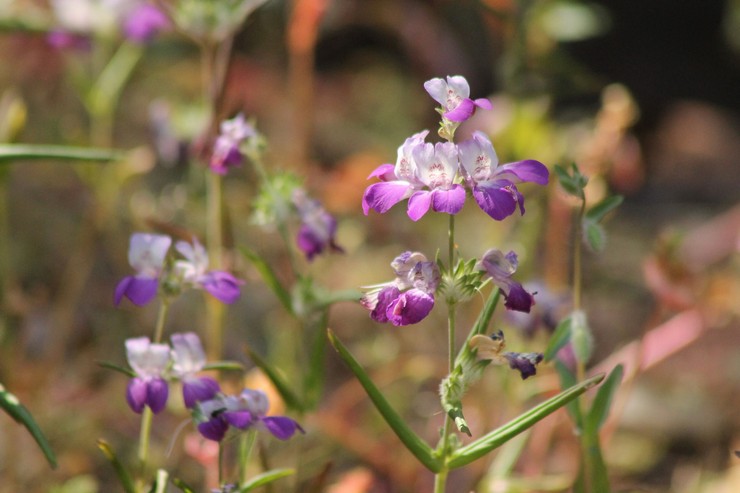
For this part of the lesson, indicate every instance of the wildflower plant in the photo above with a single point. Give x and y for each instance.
(438, 177)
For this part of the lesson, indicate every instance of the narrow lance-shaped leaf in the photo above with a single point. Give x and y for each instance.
(184, 487)
(270, 278)
(603, 400)
(11, 405)
(558, 339)
(597, 212)
(224, 366)
(13, 152)
(291, 399)
(127, 483)
(421, 450)
(314, 380)
(265, 478)
(567, 380)
(501, 435)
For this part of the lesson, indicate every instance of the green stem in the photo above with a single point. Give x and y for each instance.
(161, 317)
(246, 442)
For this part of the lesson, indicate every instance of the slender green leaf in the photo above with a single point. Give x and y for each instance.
(120, 369)
(594, 235)
(13, 152)
(567, 380)
(270, 278)
(314, 380)
(593, 475)
(559, 338)
(291, 399)
(184, 487)
(107, 89)
(127, 483)
(266, 478)
(224, 366)
(11, 405)
(597, 212)
(603, 400)
(501, 435)
(416, 445)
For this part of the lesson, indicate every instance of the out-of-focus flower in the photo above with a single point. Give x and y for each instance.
(66, 40)
(494, 186)
(148, 387)
(146, 255)
(143, 22)
(193, 271)
(226, 149)
(492, 348)
(409, 298)
(396, 182)
(188, 359)
(437, 169)
(551, 307)
(318, 227)
(454, 96)
(501, 267)
(244, 411)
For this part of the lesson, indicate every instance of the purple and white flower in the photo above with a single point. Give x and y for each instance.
(318, 228)
(193, 271)
(453, 95)
(146, 255)
(149, 362)
(188, 359)
(501, 267)
(244, 411)
(226, 149)
(437, 170)
(494, 186)
(409, 298)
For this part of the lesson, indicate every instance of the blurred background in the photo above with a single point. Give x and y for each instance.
(643, 95)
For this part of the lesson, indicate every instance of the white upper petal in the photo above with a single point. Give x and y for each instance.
(147, 252)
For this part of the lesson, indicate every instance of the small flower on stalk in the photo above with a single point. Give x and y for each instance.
(397, 182)
(194, 272)
(148, 387)
(318, 227)
(492, 348)
(226, 149)
(454, 96)
(409, 298)
(244, 411)
(143, 22)
(146, 255)
(188, 359)
(494, 186)
(436, 169)
(501, 267)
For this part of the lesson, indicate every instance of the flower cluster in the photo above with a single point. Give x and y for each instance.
(156, 363)
(245, 411)
(148, 254)
(408, 298)
(435, 176)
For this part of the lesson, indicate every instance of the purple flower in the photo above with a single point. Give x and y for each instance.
(437, 169)
(396, 182)
(244, 411)
(146, 254)
(453, 95)
(67, 40)
(492, 348)
(494, 186)
(318, 227)
(149, 361)
(524, 363)
(194, 271)
(226, 151)
(143, 22)
(409, 298)
(188, 359)
(501, 267)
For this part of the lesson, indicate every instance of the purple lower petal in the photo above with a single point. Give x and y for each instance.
(450, 201)
(282, 427)
(136, 393)
(196, 389)
(386, 296)
(239, 419)
(463, 111)
(483, 103)
(213, 429)
(497, 202)
(528, 171)
(140, 290)
(156, 394)
(419, 204)
(380, 197)
(222, 285)
(524, 363)
(410, 307)
(518, 299)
